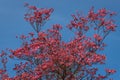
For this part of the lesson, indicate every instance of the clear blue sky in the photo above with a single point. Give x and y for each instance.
(12, 23)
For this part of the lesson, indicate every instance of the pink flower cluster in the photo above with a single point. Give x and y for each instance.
(37, 16)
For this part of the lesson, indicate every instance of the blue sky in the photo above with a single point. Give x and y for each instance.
(12, 23)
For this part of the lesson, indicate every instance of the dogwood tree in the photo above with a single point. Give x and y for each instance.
(48, 57)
